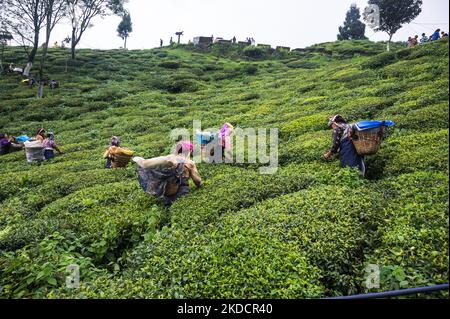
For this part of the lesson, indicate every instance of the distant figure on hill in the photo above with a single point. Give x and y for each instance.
(343, 145)
(234, 39)
(161, 42)
(424, 39)
(409, 43)
(415, 41)
(54, 84)
(30, 81)
(56, 45)
(436, 35)
(444, 35)
(50, 147)
(167, 178)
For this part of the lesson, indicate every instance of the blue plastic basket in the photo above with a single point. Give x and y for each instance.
(368, 125)
(204, 137)
(22, 138)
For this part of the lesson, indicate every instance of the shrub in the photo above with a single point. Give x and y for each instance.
(380, 60)
(213, 264)
(413, 236)
(248, 97)
(180, 86)
(254, 52)
(35, 271)
(305, 124)
(303, 65)
(250, 69)
(170, 65)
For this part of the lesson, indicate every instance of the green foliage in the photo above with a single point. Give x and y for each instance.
(34, 271)
(353, 28)
(170, 65)
(303, 65)
(413, 235)
(394, 14)
(254, 52)
(307, 231)
(380, 60)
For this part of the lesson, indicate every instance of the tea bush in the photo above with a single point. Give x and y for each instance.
(307, 231)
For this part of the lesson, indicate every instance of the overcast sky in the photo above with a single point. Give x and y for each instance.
(293, 23)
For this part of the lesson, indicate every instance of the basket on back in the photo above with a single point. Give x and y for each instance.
(368, 135)
(120, 157)
(34, 151)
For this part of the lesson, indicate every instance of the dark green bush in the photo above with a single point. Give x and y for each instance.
(250, 69)
(170, 65)
(380, 60)
(254, 52)
(303, 65)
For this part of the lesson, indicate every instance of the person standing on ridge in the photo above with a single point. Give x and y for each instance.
(424, 39)
(436, 35)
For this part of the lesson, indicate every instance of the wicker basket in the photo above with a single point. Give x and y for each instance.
(122, 158)
(368, 142)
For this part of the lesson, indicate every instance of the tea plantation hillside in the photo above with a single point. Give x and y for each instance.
(308, 231)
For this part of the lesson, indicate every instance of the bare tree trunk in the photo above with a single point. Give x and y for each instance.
(40, 92)
(32, 55)
(41, 68)
(125, 45)
(27, 69)
(1, 57)
(389, 43)
(73, 43)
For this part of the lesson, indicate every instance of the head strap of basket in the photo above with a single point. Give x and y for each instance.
(337, 120)
(41, 131)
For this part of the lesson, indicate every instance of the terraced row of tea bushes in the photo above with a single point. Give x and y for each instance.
(236, 188)
(95, 226)
(216, 263)
(412, 250)
(37, 270)
(109, 212)
(303, 222)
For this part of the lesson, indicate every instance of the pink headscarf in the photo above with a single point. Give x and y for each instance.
(226, 130)
(185, 146)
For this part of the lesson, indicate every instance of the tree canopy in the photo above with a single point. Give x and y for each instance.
(353, 28)
(81, 13)
(394, 14)
(125, 28)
